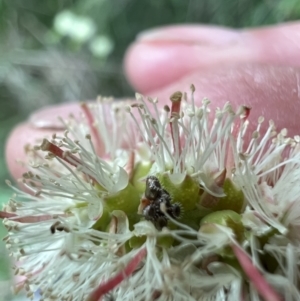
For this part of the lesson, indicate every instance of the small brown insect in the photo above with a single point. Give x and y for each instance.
(157, 195)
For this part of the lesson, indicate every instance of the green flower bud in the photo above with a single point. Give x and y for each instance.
(186, 193)
(226, 218)
(165, 241)
(102, 223)
(126, 200)
(234, 199)
(140, 171)
(137, 241)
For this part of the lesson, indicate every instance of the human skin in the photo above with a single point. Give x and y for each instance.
(258, 67)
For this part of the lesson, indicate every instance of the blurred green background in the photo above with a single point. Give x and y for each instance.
(65, 50)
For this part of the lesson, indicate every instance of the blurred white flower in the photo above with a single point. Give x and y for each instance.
(78, 28)
(139, 202)
(101, 46)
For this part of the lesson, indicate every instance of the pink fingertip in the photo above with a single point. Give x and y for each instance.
(48, 117)
(191, 33)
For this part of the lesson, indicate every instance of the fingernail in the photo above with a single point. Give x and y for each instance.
(48, 117)
(205, 35)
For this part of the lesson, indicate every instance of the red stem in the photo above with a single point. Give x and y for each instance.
(25, 219)
(110, 284)
(254, 275)
(175, 108)
(58, 152)
(91, 122)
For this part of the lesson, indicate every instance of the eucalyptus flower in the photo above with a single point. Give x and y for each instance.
(136, 201)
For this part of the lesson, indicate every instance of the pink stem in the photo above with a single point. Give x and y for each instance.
(58, 152)
(66, 156)
(246, 114)
(235, 131)
(254, 275)
(244, 117)
(91, 122)
(175, 109)
(25, 219)
(110, 284)
(130, 165)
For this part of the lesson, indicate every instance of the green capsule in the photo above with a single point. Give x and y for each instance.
(137, 241)
(102, 223)
(140, 171)
(126, 200)
(226, 218)
(234, 199)
(165, 241)
(186, 193)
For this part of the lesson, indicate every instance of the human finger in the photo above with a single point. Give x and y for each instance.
(164, 55)
(272, 92)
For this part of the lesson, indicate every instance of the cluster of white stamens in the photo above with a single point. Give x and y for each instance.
(83, 235)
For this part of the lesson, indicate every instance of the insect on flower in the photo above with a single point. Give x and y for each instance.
(158, 196)
(91, 228)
